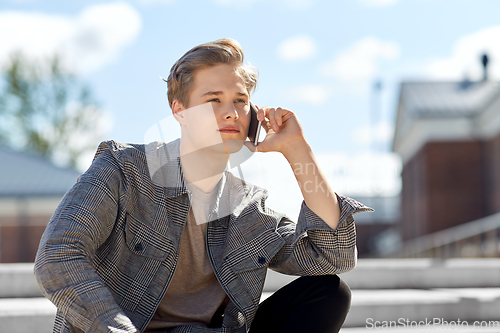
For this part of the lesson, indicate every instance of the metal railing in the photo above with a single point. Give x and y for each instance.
(479, 238)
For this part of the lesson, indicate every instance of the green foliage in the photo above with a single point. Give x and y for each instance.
(46, 110)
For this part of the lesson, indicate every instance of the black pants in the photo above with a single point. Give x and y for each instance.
(309, 304)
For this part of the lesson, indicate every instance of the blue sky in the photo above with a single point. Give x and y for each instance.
(317, 58)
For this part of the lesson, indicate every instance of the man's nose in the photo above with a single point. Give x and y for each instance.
(229, 111)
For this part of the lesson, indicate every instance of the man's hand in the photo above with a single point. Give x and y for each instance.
(285, 135)
(283, 131)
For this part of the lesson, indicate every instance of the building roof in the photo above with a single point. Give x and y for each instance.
(445, 111)
(448, 99)
(22, 174)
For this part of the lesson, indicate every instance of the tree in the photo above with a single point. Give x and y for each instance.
(46, 110)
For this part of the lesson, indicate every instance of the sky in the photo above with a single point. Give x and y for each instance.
(320, 59)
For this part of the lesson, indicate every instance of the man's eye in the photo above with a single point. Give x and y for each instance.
(214, 100)
(240, 101)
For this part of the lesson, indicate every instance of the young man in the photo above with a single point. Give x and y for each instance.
(162, 238)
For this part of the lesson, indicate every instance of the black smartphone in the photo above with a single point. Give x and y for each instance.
(255, 125)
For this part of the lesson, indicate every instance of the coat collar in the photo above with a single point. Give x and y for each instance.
(164, 165)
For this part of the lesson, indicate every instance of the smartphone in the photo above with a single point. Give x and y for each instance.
(255, 125)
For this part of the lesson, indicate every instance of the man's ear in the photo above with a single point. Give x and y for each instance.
(178, 111)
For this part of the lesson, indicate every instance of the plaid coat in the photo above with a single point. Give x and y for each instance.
(110, 250)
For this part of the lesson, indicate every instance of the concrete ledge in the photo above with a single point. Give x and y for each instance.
(424, 273)
(34, 315)
(411, 273)
(18, 280)
(469, 304)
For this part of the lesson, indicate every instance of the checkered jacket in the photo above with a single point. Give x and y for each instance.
(110, 250)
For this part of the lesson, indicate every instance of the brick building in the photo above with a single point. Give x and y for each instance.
(448, 135)
(30, 190)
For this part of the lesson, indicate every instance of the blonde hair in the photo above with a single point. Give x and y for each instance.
(222, 51)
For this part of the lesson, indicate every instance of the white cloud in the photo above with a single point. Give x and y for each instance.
(313, 94)
(89, 41)
(361, 60)
(379, 3)
(381, 133)
(297, 48)
(465, 59)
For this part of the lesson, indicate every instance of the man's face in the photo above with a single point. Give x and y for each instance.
(222, 125)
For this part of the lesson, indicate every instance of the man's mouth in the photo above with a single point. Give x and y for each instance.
(229, 129)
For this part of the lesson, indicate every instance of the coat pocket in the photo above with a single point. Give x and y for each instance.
(257, 253)
(146, 242)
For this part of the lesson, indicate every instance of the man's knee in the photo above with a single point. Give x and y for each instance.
(336, 290)
(326, 304)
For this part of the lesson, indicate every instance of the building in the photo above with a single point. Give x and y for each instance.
(30, 190)
(448, 136)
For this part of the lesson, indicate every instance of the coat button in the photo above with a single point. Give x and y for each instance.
(138, 247)
(261, 260)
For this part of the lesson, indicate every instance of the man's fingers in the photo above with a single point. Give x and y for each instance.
(278, 116)
(265, 125)
(274, 116)
(272, 119)
(262, 113)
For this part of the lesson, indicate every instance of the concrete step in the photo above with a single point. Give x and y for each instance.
(383, 290)
(17, 280)
(22, 315)
(433, 305)
(412, 274)
(370, 310)
(424, 273)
